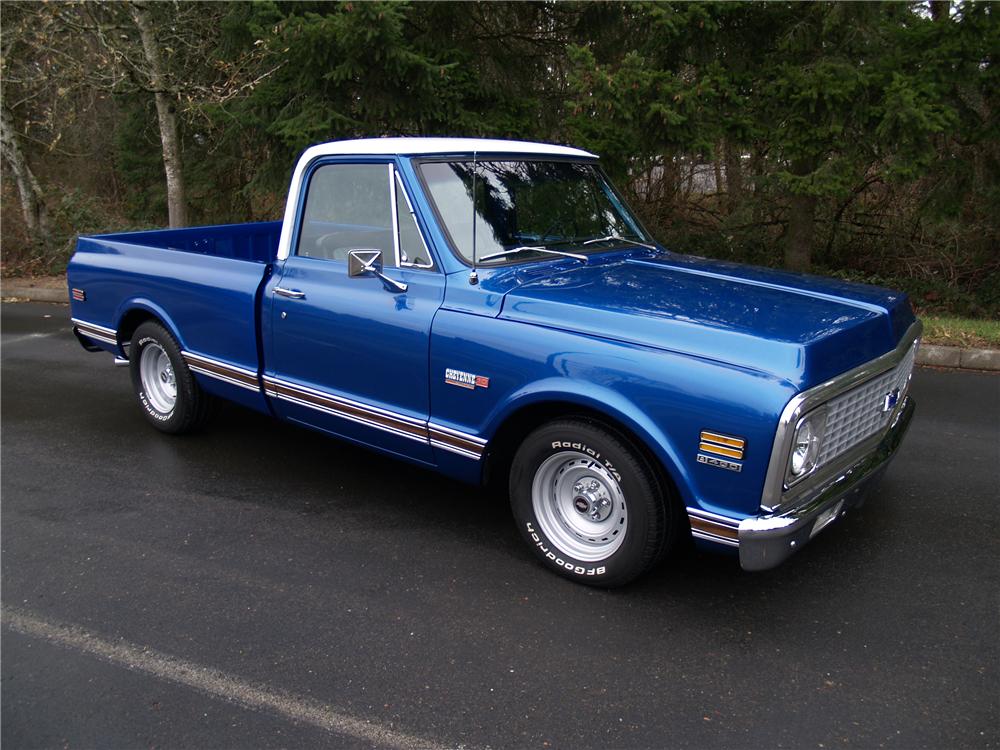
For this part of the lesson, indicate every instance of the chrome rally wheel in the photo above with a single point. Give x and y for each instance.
(158, 380)
(170, 397)
(589, 503)
(580, 506)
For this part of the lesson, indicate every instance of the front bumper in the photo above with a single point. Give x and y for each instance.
(766, 541)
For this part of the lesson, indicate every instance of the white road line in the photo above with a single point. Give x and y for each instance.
(212, 681)
(28, 337)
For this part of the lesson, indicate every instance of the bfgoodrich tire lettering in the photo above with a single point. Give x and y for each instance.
(168, 394)
(589, 504)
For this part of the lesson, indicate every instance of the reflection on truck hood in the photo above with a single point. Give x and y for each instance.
(804, 329)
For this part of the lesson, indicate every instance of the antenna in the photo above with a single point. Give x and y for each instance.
(474, 277)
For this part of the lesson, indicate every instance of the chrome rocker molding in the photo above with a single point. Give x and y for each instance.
(96, 332)
(353, 411)
(445, 438)
(765, 541)
(227, 373)
(460, 443)
(774, 498)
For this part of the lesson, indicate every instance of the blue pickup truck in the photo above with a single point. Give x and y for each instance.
(495, 311)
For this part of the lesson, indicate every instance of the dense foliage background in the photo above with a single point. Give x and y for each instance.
(858, 139)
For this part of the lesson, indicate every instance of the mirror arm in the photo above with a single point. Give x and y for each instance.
(390, 284)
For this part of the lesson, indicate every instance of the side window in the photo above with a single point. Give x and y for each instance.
(412, 250)
(348, 207)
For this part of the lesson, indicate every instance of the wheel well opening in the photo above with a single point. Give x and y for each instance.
(130, 321)
(517, 426)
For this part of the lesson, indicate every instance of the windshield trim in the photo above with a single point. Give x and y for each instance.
(452, 245)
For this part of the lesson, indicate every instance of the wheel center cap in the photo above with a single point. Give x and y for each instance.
(591, 499)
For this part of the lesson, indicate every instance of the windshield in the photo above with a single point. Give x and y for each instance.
(527, 203)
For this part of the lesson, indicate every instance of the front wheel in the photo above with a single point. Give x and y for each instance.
(168, 394)
(589, 504)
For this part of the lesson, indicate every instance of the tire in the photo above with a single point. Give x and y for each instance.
(170, 398)
(590, 505)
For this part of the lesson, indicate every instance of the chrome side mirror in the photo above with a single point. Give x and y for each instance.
(361, 262)
(365, 262)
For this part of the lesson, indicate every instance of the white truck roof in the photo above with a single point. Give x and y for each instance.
(421, 146)
(407, 147)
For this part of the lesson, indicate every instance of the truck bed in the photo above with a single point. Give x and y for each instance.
(203, 282)
(257, 242)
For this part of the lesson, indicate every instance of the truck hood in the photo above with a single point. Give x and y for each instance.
(800, 328)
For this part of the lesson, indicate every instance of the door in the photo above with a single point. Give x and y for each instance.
(349, 355)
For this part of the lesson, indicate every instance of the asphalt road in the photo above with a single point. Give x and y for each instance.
(263, 586)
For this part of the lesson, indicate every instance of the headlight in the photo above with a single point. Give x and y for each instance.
(806, 444)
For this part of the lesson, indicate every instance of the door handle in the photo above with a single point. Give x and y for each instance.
(292, 293)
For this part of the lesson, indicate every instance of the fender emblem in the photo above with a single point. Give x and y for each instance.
(465, 379)
(719, 462)
(717, 449)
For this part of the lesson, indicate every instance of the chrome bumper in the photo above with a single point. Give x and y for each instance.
(766, 541)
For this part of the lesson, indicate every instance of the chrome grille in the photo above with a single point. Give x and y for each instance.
(858, 414)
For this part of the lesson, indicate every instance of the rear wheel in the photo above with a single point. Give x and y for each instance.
(168, 394)
(589, 503)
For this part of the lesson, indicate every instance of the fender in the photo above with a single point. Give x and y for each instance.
(246, 391)
(665, 398)
(599, 399)
(141, 303)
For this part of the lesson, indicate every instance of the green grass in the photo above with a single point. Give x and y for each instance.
(961, 332)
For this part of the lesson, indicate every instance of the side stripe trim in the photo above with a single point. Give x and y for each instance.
(94, 331)
(474, 455)
(460, 443)
(347, 409)
(227, 373)
(445, 438)
(457, 442)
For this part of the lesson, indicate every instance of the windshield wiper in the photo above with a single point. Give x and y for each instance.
(619, 238)
(535, 248)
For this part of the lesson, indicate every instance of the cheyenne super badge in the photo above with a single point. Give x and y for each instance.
(465, 379)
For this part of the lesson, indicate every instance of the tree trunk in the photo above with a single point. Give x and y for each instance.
(801, 224)
(757, 183)
(166, 113)
(36, 217)
(717, 166)
(940, 10)
(734, 175)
